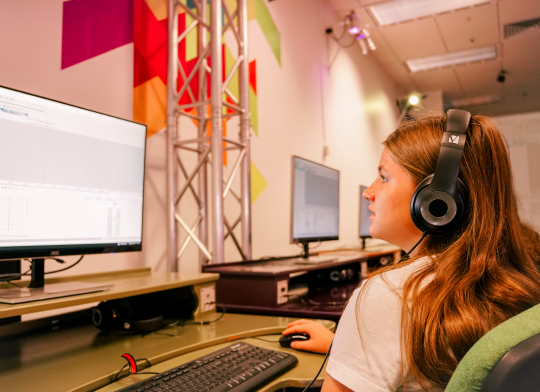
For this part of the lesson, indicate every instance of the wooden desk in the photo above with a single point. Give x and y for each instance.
(298, 377)
(81, 359)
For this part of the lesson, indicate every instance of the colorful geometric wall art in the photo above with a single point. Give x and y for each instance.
(93, 27)
(257, 10)
(258, 183)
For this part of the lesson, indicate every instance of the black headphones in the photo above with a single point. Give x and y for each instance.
(439, 201)
(119, 315)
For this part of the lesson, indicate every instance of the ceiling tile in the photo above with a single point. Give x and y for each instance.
(518, 10)
(480, 78)
(415, 39)
(470, 28)
(441, 79)
(340, 5)
(521, 54)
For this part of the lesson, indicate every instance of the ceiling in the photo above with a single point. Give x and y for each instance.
(479, 26)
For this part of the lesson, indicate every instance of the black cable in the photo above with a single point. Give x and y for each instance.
(116, 378)
(224, 310)
(279, 257)
(131, 374)
(320, 370)
(62, 262)
(9, 277)
(406, 255)
(336, 304)
(353, 42)
(264, 340)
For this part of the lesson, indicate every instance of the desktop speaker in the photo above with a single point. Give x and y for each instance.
(123, 315)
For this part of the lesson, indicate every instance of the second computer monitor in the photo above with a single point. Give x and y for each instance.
(365, 213)
(315, 202)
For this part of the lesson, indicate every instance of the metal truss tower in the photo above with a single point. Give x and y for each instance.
(208, 106)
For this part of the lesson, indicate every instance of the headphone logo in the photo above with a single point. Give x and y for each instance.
(454, 139)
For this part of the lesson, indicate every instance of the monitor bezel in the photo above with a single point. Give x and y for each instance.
(360, 214)
(291, 215)
(44, 251)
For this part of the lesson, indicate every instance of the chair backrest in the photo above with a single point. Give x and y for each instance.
(474, 369)
(518, 370)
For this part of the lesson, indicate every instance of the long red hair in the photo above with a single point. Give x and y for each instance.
(485, 272)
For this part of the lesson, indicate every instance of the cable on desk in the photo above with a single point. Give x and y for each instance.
(334, 304)
(189, 322)
(13, 276)
(224, 310)
(264, 340)
(131, 365)
(9, 277)
(321, 368)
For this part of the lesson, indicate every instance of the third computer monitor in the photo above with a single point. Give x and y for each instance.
(365, 213)
(315, 202)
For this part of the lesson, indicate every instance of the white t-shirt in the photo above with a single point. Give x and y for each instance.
(366, 353)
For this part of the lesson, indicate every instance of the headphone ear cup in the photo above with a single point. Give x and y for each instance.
(437, 212)
(102, 317)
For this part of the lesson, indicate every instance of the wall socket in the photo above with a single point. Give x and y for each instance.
(282, 292)
(208, 298)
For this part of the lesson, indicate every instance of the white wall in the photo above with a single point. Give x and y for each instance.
(353, 101)
(523, 136)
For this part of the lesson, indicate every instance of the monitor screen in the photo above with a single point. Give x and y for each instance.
(315, 202)
(365, 213)
(71, 180)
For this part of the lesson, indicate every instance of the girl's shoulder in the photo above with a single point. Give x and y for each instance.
(397, 277)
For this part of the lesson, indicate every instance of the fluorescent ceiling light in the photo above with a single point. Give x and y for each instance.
(395, 11)
(444, 60)
(476, 101)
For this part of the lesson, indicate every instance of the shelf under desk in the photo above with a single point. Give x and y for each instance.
(82, 359)
(125, 284)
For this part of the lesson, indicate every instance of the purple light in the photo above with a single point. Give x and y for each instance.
(354, 30)
(361, 36)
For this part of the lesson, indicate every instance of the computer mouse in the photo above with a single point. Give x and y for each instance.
(286, 340)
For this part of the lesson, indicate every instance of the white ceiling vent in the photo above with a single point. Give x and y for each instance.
(518, 27)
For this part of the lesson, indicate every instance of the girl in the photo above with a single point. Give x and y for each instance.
(407, 327)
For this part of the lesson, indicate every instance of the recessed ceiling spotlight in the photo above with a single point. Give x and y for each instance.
(444, 60)
(396, 11)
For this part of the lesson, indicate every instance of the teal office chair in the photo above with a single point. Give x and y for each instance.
(506, 359)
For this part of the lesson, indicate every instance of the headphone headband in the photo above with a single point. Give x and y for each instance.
(453, 142)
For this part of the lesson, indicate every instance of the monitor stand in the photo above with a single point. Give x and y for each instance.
(314, 260)
(37, 289)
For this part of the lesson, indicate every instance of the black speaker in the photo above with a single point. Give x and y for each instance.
(123, 315)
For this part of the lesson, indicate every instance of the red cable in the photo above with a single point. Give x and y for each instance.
(131, 362)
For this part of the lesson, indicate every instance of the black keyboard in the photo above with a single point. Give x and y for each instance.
(240, 367)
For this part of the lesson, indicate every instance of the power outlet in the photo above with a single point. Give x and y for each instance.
(208, 298)
(282, 292)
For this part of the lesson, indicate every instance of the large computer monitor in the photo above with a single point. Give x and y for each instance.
(364, 221)
(71, 180)
(315, 203)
